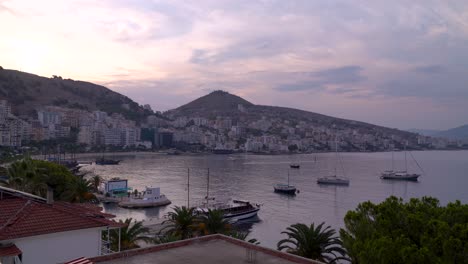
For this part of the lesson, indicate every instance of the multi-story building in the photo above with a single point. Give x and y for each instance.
(129, 136)
(113, 137)
(5, 110)
(48, 117)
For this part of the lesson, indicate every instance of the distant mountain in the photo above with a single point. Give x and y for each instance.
(28, 92)
(224, 104)
(217, 102)
(458, 133)
(425, 132)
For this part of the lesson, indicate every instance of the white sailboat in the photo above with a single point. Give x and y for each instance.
(400, 175)
(334, 179)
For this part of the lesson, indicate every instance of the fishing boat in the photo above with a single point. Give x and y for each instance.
(334, 179)
(294, 166)
(285, 188)
(233, 210)
(151, 197)
(402, 175)
(103, 161)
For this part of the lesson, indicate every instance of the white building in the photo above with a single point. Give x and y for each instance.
(129, 136)
(48, 118)
(34, 230)
(113, 136)
(85, 135)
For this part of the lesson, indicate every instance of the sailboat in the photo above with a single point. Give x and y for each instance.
(334, 179)
(285, 188)
(400, 175)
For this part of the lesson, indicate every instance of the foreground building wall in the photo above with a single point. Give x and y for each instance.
(60, 247)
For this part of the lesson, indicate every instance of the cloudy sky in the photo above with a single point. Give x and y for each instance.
(396, 63)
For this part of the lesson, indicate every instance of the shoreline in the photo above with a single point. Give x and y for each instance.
(151, 153)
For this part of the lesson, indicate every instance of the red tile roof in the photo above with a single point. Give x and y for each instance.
(80, 261)
(23, 217)
(9, 250)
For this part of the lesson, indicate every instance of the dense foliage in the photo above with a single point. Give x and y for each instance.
(314, 242)
(184, 223)
(34, 176)
(133, 232)
(419, 231)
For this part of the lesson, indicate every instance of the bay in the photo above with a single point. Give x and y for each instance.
(251, 177)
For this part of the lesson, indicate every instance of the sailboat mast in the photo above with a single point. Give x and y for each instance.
(208, 188)
(393, 157)
(288, 177)
(336, 154)
(406, 161)
(188, 188)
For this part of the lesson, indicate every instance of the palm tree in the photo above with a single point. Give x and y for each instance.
(129, 235)
(214, 223)
(24, 176)
(182, 222)
(243, 236)
(166, 239)
(312, 242)
(79, 190)
(96, 182)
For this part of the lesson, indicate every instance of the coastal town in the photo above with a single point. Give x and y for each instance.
(94, 130)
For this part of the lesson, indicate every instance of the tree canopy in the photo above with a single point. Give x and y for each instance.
(419, 231)
(34, 176)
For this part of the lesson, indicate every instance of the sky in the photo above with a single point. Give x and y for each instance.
(401, 64)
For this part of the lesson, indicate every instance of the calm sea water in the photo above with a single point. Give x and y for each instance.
(251, 177)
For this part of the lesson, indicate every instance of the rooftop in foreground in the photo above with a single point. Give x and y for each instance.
(206, 250)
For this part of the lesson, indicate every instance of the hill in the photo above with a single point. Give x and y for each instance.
(224, 104)
(28, 92)
(217, 102)
(458, 133)
(425, 132)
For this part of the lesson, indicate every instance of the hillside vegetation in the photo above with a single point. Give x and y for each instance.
(28, 92)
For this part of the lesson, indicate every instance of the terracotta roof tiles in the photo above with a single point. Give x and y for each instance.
(22, 217)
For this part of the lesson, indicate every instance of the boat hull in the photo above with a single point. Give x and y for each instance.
(284, 189)
(295, 166)
(131, 204)
(333, 182)
(243, 215)
(107, 162)
(411, 177)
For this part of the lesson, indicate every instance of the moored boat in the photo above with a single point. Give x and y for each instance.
(103, 161)
(235, 210)
(285, 188)
(399, 175)
(294, 166)
(151, 197)
(333, 180)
